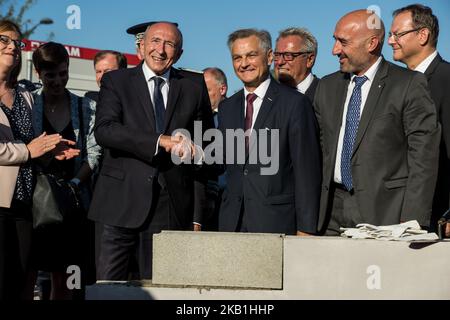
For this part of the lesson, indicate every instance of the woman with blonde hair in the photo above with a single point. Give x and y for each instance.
(18, 146)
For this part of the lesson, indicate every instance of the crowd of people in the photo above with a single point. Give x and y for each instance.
(369, 143)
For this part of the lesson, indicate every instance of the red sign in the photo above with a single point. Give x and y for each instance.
(78, 52)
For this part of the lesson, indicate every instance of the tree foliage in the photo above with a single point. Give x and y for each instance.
(9, 10)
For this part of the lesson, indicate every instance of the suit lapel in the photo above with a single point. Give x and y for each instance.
(338, 108)
(371, 103)
(141, 91)
(174, 92)
(433, 66)
(239, 115)
(266, 107)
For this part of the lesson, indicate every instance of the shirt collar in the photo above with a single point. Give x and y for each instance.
(261, 90)
(149, 74)
(372, 71)
(305, 83)
(423, 66)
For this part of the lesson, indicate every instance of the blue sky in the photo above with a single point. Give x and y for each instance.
(206, 25)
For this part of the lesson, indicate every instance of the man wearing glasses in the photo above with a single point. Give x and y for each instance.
(413, 38)
(294, 57)
(379, 133)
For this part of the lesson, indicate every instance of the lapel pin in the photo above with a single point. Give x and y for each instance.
(268, 98)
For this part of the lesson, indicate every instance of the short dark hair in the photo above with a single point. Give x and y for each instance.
(122, 62)
(422, 17)
(50, 55)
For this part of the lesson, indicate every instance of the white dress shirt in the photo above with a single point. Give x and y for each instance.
(305, 84)
(149, 74)
(370, 74)
(423, 66)
(260, 93)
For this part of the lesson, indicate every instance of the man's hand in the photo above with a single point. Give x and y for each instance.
(43, 144)
(303, 234)
(197, 227)
(168, 142)
(447, 230)
(64, 151)
(180, 146)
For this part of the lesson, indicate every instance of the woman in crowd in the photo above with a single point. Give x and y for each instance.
(18, 146)
(58, 111)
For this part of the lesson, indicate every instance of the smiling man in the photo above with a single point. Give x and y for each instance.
(140, 191)
(286, 201)
(294, 57)
(413, 38)
(379, 134)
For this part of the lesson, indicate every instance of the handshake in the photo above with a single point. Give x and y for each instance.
(182, 149)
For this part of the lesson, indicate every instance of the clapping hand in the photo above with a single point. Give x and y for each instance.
(43, 144)
(184, 149)
(64, 151)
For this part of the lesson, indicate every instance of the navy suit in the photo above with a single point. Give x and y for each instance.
(288, 200)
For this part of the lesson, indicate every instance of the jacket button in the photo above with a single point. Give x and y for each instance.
(149, 179)
(239, 199)
(245, 172)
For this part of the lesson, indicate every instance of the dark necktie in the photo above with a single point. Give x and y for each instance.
(251, 97)
(351, 129)
(158, 103)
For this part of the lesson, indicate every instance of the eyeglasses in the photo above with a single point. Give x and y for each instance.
(401, 34)
(7, 40)
(288, 56)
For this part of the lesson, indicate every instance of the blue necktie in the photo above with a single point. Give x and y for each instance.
(351, 129)
(158, 103)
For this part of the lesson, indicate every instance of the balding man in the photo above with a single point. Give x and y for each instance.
(379, 133)
(140, 191)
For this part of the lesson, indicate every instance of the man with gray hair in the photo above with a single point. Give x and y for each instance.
(294, 56)
(287, 200)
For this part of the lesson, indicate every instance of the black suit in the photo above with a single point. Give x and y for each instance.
(438, 76)
(132, 177)
(312, 89)
(288, 200)
(93, 95)
(395, 155)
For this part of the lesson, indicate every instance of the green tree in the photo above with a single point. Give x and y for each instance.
(8, 10)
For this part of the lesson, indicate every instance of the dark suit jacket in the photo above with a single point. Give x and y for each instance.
(288, 200)
(438, 76)
(93, 95)
(395, 155)
(312, 89)
(125, 127)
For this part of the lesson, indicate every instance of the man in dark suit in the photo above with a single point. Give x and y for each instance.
(379, 134)
(413, 37)
(140, 191)
(286, 199)
(295, 55)
(216, 82)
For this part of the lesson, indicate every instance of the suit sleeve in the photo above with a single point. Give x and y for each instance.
(204, 172)
(423, 135)
(13, 153)
(305, 154)
(110, 132)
